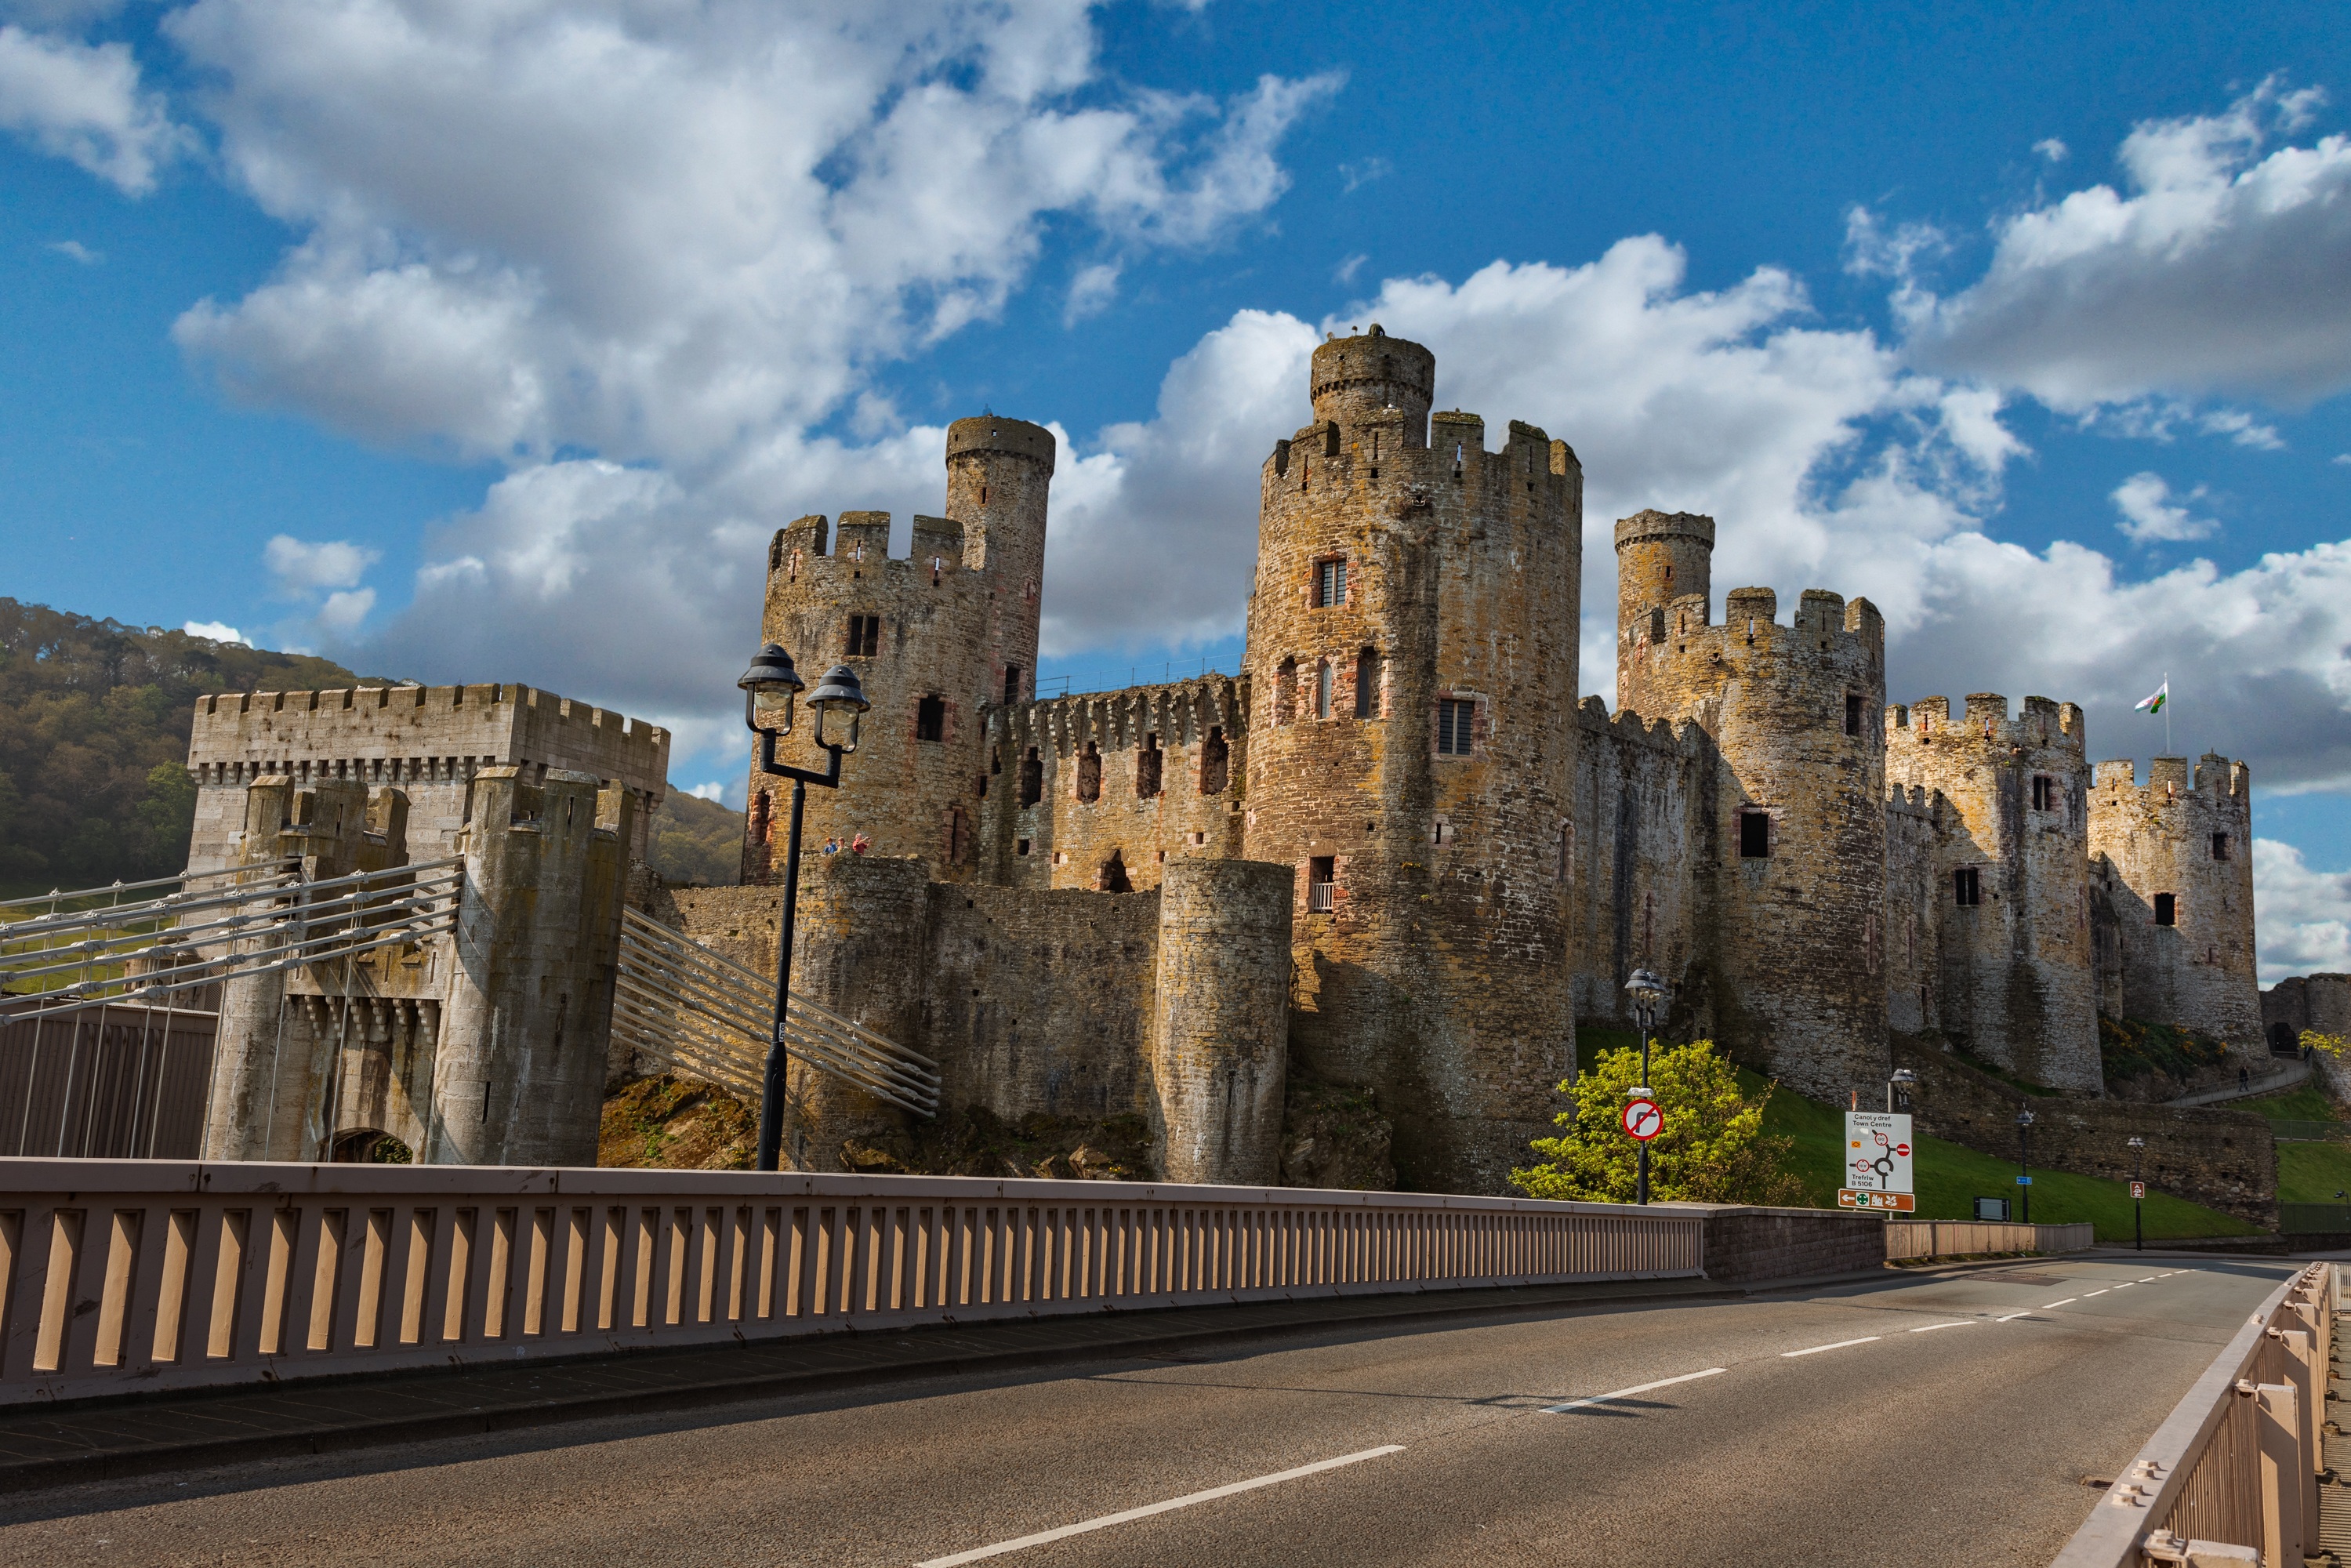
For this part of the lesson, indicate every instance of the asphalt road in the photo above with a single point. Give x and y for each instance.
(1941, 1420)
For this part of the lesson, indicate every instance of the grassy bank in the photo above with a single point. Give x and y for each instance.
(1949, 1176)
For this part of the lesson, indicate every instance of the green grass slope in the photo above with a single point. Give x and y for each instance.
(1949, 1176)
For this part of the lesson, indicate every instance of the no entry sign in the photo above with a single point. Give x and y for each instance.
(1643, 1120)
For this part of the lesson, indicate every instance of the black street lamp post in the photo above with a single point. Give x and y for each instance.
(769, 678)
(1898, 1090)
(2023, 1169)
(2138, 1203)
(1647, 992)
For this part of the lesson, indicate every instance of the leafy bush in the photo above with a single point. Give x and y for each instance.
(1713, 1149)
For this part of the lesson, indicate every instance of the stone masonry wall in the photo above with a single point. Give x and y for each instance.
(427, 741)
(1090, 761)
(1750, 1244)
(1438, 975)
(1914, 897)
(1629, 881)
(2223, 1159)
(2192, 841)
(2015, 983)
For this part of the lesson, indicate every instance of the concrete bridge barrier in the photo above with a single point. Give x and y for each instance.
(117, 1276)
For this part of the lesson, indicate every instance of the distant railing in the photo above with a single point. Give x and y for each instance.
(2293, 1131)
(1956, 1237)
(2314, 1219)
(121, 1275)
(2236, 1464)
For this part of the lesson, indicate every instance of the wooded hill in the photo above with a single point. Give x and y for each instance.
(94, 723)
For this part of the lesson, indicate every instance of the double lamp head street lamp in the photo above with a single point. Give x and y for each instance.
(771, 680)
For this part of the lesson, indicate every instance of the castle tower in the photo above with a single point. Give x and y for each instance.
(2174, 862)
(1788, 968)
(1663, 562)
(936, 638)
(1412, 672)
(2008, 870)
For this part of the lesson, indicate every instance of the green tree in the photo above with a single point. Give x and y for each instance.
(1713, 1149)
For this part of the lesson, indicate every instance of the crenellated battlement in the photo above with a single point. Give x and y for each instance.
(1180, 713)
(1829, 646)
(1985, 725)
(1629, 728)
(2217, 780)
(860, 550)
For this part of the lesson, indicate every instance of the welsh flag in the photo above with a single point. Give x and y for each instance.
(2155, 704)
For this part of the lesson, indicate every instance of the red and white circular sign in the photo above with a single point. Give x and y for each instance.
(1643, 1120)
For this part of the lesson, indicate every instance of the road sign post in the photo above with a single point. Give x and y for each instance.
(1876, 1172)
(1642, 1121)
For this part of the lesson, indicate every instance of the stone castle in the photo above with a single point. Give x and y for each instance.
(1399, 855)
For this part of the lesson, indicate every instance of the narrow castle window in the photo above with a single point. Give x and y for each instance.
(1215, 762)
(1089, 775)
(1565, 870)
(1323, 689)
(2166, 909)
(2044, 793)
(1022, 847)
(1656, 627)
(1032, 779)
(1456, 717)
(1755, 835)
(1967, 886)
(1146, 768)
(2219, 846)
(1331, 442)
(1853, 713)
(1112, 878)
(958, 837)
(864, 636)
(1011, 684)
(931, 719)
(1329, 584)
(756, 827)
(1285, 684)
(1321, 871)
(1367, 684)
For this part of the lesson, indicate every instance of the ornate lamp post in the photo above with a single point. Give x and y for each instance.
(1647, 992)
(1898, 1090)
(2024, 1172)
(2139, 1205)
(771, 679)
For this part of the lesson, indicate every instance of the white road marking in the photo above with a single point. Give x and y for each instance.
(2013, 1316)
(1628, 1392)
(2125, 1285)
(1956, 1323)
(1816, 1349)
(2145, 1278)
(2097, 1292)
(2066, 1302)
(1106, 1521)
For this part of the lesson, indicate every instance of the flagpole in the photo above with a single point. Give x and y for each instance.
(2167, 713)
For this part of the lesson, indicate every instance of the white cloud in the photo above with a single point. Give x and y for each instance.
(83, 102)
(2149, 516)
(2221, 272)
(2303, 916)
(1091, 292)
(668, 233)
(217, 631)
(340, 615)
(2052, 149)
(1353, 177)
(75, 250)
(303, 568)
(706, 791)
(1344, 275)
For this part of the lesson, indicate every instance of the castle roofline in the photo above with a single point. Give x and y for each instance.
(989, 433)
(1652, 523)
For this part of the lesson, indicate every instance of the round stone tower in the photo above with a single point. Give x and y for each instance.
(2010, 879)
(1788, 970)
(1411, 667)
(936, 638)
(1664, 571)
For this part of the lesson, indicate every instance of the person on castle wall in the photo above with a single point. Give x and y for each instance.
(832, 846)
(860, 844)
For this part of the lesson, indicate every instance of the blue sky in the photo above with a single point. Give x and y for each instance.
(489, 343)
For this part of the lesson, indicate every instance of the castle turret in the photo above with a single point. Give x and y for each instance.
(1663, 562)
(2008, 870)
(2173, 862)
(1411, 669)
(936, 638)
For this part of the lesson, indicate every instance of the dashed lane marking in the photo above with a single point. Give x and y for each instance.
(1955, 1323)
(2066, 1302)
(1628, 1392)
(1840, 1344)
(1106, 1521)
(2012, 1317)
(2087, 1296)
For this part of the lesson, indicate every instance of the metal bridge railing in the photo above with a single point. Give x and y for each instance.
(94, 947)
(121, 1275)
(2232, 1473)
(678, 1002)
